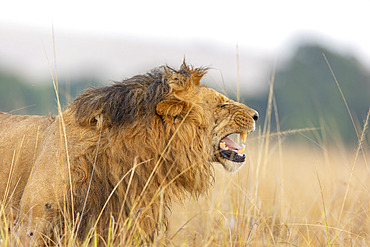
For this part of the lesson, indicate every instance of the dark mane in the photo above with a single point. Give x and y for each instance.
(123, 102)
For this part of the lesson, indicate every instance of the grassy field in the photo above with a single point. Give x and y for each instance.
(312, 193)
(284, 196)
(289, 196)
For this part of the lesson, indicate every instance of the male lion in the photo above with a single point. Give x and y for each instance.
(118, 152)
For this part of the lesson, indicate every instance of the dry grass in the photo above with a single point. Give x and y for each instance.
(288, 196)
(296, 201)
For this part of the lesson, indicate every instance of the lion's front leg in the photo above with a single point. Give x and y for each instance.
(39, 211)
(41, 202)
(34, 227)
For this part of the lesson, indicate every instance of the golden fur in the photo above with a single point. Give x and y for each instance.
(122, 151)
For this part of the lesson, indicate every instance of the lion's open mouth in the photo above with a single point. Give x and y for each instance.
(232, 151)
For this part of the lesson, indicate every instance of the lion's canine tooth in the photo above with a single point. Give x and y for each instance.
(241, 151)
(243, 137)
(223, 146)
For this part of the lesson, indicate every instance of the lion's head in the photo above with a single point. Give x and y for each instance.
(229, 118)
(221, 115)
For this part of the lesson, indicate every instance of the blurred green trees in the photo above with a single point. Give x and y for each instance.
(307, 95)
(17, 97)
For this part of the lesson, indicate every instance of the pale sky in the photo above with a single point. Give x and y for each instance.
(263, 25)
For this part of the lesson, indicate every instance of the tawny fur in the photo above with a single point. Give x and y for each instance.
(122, 151)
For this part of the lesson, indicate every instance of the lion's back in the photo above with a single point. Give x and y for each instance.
(13, 126)
(20, 136)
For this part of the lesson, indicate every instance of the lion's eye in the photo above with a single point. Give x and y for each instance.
(223, 105)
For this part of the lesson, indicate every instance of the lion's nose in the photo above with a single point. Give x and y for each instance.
(255, 117)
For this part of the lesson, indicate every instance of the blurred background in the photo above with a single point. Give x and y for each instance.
(250, 43)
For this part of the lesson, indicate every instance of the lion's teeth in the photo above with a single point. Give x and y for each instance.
(243, 137)
(223, 146)
(241, 151)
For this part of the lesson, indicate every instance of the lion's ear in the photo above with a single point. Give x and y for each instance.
(196, 73)
(170, 107)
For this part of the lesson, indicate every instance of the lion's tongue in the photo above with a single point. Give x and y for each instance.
(232, 145)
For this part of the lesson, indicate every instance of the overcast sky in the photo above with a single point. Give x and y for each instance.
(262, 25)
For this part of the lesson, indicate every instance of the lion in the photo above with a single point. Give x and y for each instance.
(120, 152)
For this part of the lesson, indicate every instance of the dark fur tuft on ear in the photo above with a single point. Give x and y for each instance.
(196, 73)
